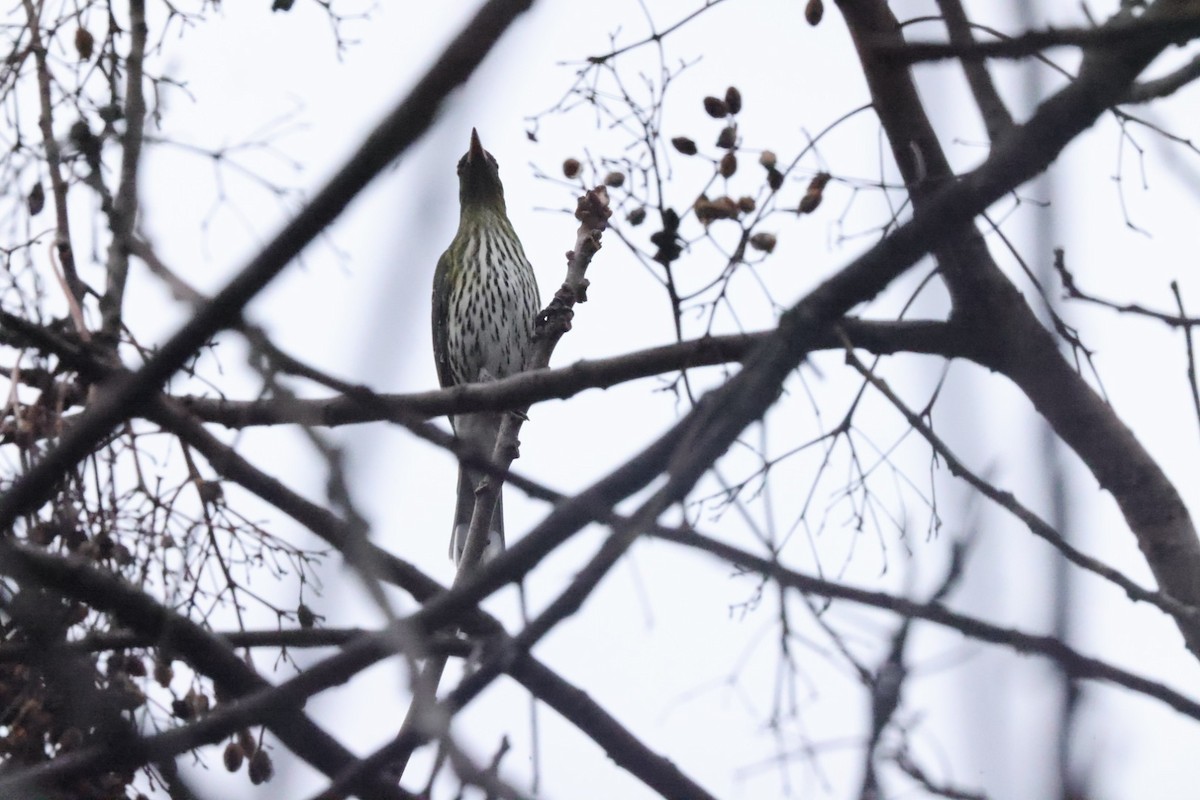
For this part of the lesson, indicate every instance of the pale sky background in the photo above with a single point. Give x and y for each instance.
(659, 645)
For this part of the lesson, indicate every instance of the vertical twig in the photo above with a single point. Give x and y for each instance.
(58, 185)
(592, 212)
(125, 206)
(996, 118)
(1191, 353)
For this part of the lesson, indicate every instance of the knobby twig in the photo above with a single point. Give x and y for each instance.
(554, 321)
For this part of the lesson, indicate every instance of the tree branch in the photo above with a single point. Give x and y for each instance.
(881, 337)
(1183, 614)
(78, 579)
(118, 400)
(1072, 662)
(1013, 341)
(1150, 30)
(58, 184)
(996, 118)
(125, 204)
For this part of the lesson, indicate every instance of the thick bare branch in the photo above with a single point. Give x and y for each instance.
(703, 435)
(1150, 30)
(1013, 340)
(880, 337)
(1156, 88)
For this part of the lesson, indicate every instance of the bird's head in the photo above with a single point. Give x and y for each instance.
(479, 178)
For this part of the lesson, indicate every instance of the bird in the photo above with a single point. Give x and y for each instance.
(485, 304)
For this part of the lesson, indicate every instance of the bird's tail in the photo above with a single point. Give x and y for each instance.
(465, 508)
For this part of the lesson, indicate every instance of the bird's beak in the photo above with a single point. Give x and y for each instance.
(476, 151)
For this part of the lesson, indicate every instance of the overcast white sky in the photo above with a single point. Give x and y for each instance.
(659, 645)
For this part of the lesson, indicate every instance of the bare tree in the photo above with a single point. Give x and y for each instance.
(134, 530)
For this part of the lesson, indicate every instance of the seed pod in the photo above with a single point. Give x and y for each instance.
(819, 181)
(85, 43)
(814, 193)
(42, 534)
(181, 709)
(814, 11)
(746, 204)
(684, 145)
(247, 741)
(113, 783)
(724, 208)
(74, 537)
(76, 613)
(767, 159)
(305, 616)
(124, 557)
(105, 546)
(210, 492)
(197, 701)
(163, 673)
(763, 241)
(571, 167)
(709, 211)
(135, 666)
(667, 240)
(234, 755)
(728, 165)
(70, 740)
(36, 200)
(774, 178)
(728, 137)
(261, 768)
(115, 664)
(110, 112)
(614, 179)
(637, 216)
(733, 99)
(716, 107)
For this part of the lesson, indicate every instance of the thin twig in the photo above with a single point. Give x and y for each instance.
(1160, 32)
(1036, 525)
(58, 184)
(1191, 353)
(125, 204)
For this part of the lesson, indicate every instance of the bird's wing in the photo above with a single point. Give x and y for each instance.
(441, 314)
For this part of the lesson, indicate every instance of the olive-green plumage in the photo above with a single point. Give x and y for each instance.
(485, 302)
